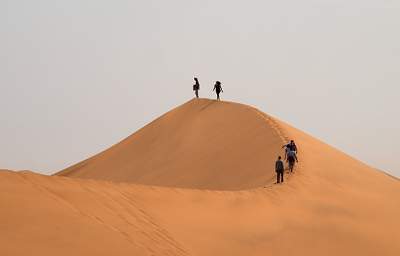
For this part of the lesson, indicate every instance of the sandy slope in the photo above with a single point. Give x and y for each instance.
(43, 215)
(332, 205)
(202, 144)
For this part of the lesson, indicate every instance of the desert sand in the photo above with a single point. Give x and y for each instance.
(199, 181)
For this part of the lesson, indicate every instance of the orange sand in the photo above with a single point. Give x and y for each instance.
(209, 198)
(203, 144)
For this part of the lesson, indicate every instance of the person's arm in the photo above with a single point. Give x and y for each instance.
(295, 156)
(214, 88)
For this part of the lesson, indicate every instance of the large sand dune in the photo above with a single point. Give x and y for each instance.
(332, 204)
(202, 144)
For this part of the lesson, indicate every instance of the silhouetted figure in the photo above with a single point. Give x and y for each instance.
(279, 169)
(291, 158)
(196, 87)
(218, 89)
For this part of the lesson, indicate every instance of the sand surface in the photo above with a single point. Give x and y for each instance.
(202, 144)
(182, 186)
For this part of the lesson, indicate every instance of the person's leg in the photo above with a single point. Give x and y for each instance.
(282, 172)
(277, 177)
(197, 93)
(217, 95)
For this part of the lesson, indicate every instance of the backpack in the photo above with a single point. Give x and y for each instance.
(279, 166)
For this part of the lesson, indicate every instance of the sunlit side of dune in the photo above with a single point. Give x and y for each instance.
(332, 205)
(47, 216)
(202, 144)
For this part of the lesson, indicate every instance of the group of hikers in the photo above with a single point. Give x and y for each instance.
(290, 148)
(290, 157)
(217, 88)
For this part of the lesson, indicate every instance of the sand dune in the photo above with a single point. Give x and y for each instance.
(332, 205)
(61, 216)
(202, 144)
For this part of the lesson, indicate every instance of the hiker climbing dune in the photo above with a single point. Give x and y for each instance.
(291, 154)
(279, 169)
(291, 159)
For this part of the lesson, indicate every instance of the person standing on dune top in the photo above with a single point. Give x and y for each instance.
(196, 87)
(218, 89)
(279, 169)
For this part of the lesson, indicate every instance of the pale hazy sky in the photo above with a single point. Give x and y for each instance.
(78, 76)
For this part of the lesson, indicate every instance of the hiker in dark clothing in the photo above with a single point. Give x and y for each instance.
(196, 87)
(291, 146)
(218, 89)
(279, 169)
(291, 158)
